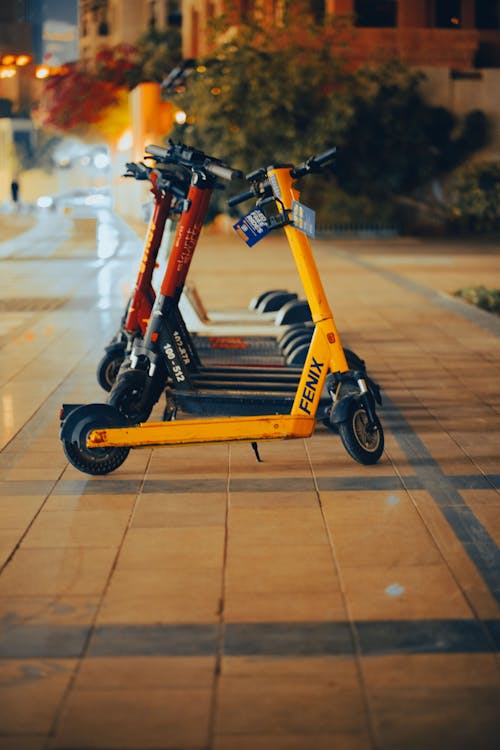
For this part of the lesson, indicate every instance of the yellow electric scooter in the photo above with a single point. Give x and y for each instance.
(97, 438)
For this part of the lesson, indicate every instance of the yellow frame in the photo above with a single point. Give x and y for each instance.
(325, 355)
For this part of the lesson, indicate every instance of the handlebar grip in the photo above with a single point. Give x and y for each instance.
(223, 171)
(325, 157)
(157, 151)
(314, 163)
(235, 199)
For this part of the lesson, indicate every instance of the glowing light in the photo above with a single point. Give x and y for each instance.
(8, 59)
(101, 161)
(215, 91)
(201, 69)
(45, 201)
(180, 117)
(7, 72)
(22, 60)
(42, 72)
(125, 141)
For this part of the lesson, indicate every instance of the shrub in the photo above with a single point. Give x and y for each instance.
(481, 296)
(474, 200)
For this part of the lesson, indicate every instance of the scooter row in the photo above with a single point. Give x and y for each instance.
(258, 395)
(276, 331)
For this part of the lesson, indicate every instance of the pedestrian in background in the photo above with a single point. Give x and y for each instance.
(14, 191)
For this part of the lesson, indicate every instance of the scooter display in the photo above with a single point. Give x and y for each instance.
(98, 437)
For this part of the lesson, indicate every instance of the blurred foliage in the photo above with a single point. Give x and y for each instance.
(87, 98)
(474, 198)
(481, 296)
(269, 95)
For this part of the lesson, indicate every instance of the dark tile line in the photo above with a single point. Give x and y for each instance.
(112, 486)
(267, 639)
(477, 542)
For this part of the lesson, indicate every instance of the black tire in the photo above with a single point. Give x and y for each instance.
(74, 432)
(363, 443)
(109, 365)
(132, 397)
(95, 461)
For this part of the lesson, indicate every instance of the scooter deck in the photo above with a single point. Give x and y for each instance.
(215, 430)
(235, 404)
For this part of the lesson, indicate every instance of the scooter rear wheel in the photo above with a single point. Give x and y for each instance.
(95, 461)
(363, 442)
(109, 365)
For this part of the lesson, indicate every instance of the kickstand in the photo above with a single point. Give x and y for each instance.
(256, 451)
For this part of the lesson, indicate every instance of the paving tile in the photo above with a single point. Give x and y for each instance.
(80, 501)
(53, 610)
(434, 671)
(155, 596)
(9, 539)
(265, 569)
(455, 554)
(265, 704)
(30, 694)
(448, 717)
(403, 592)
(16, 512)
(57, 572)
(485, 506)
(130, 718)
(180, 509)
(187, 547)
(284, 606)
(261, 526)
(382, 528)
(147, 673)
(251, 741)
(23, 742)
(280, 460)
(81, 528)
(274, 499)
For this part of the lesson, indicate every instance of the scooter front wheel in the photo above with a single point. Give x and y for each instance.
(75, 431)
(131, 396)
(363, 441)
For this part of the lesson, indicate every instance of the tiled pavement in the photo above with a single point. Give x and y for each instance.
(197, 599)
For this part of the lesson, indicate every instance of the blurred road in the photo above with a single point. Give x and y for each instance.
(197, 599)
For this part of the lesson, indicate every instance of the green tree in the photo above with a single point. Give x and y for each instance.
(280, 94)
(265, 95)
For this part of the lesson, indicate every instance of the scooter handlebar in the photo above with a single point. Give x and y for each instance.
(314, 163)
(235, 199)
(223, 171)
(137, 170)
(159, 152)
(189, 157)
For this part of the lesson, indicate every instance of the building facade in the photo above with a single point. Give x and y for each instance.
(452, 33)
(110, 22)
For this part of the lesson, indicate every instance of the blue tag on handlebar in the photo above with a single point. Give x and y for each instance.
(304, 219)
(252, 227)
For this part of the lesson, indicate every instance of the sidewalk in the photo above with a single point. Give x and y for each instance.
(197, 599)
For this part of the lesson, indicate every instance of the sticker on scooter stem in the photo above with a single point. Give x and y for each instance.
(252, 227)
(304, 219)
